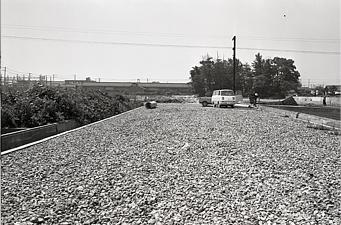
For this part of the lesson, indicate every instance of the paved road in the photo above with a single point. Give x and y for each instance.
(178, 164)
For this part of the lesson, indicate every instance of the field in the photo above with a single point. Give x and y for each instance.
(178, 164)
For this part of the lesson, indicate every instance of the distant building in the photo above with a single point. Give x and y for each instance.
(138, 88)
(75, 82)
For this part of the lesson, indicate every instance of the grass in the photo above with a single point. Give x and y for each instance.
(326, 112)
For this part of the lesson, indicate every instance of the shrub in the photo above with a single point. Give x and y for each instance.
(40, 105)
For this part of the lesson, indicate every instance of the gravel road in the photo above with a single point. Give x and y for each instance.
(178, 164)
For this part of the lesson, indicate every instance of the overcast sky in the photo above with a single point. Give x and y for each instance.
(161, 40)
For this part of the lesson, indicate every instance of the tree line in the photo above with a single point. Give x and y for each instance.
(274, 77)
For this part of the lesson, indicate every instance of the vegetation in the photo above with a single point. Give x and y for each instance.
(332, 90)
(268, 77)
(40, 105)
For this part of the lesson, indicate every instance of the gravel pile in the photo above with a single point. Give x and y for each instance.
(178, 164)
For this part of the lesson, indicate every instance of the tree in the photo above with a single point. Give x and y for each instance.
(212, 75)
(246, 79)
(274, 77)
(204, 77)
(269, 77)
(268, 73)
(197, 81)
(331, 89)
(258, 65)
(263, 71)
(286, 76)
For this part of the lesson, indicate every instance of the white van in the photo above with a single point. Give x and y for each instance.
(225, 97)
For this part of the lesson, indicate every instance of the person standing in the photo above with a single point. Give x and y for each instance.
(251, 98)
(324, 100)
(255, 99)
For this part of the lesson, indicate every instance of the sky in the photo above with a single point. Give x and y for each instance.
(161, 40)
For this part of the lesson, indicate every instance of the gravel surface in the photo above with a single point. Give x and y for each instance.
(178, 164)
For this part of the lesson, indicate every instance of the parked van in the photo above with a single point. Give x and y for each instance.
(225, 97)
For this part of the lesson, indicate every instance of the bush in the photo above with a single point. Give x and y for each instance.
(40, 105)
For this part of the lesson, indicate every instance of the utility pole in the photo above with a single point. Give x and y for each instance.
(5, 71)
(0, 77)
(5, 74)
(29, 79)
(308, 83)
(234, 64)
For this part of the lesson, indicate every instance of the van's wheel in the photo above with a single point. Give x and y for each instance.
(204, 104)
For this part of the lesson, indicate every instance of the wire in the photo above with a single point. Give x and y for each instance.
(17, 72)
(169, 45)
(14, 71)
(290, 39)
(292, 50)
(114, 43)
(107, 31)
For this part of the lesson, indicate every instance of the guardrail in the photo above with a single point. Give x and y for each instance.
(22, 137)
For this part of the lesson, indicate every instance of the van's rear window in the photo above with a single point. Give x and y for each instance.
(226, 93)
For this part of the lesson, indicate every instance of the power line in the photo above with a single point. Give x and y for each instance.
(291, 50)
(115, 43)
(168, 45)
(15, 71)
(108, 31)
(336, 40)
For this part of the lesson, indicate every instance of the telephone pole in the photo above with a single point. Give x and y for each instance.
(234, 64)
(5, 71)
(29, 79)
(5, 75)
